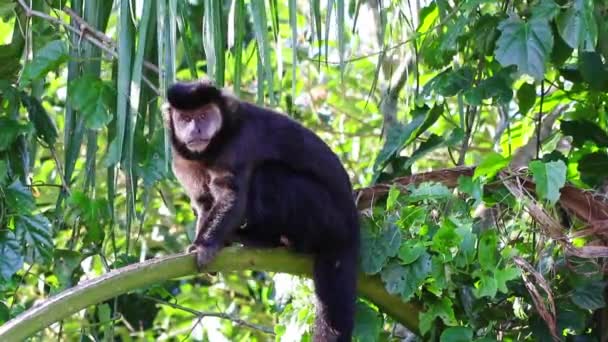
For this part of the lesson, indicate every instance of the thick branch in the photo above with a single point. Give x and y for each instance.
(156, 270)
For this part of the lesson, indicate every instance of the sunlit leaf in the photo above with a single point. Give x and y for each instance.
(577, 25)
(549, 178)
(48, 58)
(525, 44)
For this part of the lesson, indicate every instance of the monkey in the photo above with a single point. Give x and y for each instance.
(256, 177)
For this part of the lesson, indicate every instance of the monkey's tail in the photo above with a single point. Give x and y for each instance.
(335, 279)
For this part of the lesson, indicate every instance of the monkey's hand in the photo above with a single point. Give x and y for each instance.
(204, 254)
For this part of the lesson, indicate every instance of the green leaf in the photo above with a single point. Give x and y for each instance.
(394, 278)
(3, 171)
(525, 44)
(497, 87)
(593, 70)
(526, 97)
(410, 251)
(93, 98)
(490, 165)
(487, 286)
(549, 178)
(584, 130)
(488, 249)
(5, 313)
(393, 194)
(11, 260)
(473, 188)
(368, 323)
(594, 165)
(65, 262)
(590, 296)
(11, 129)
(416, 273)
(428, 191)
(545, 9)
(450, 82)
(445, 238)
(577, 25)
(43, 123)
(35, 232)
(457, 334)
(505, 275)
(376, 248)
(437, 308)
(19, 198)
(49, 58)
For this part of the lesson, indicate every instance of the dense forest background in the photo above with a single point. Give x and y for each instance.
(475, 132)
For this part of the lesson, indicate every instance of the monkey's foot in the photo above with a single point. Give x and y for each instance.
(204, 254)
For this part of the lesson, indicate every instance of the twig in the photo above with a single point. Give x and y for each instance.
(220, 315)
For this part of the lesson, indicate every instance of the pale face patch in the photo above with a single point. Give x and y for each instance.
(195, 128)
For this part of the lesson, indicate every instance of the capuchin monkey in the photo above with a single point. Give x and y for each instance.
(256, 177)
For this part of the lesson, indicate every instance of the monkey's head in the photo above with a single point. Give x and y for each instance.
(195, 114)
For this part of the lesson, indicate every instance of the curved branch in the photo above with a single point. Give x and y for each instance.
(152, 271)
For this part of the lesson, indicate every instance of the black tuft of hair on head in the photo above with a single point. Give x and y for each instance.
(192, 95)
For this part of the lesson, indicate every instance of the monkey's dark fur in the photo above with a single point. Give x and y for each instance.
(287, 188)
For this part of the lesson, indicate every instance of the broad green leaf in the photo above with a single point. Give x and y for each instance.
(394, 277)
(450, 82)
(11, 259)
(410, 251)
(43, 123)
(92, 97)
(503, 276)
(48, 58)
(446, 238)
(584, 130)
(577, 25)
(391, 200)
(390, 238)
(416, 273)
(35, 232)
(428, 191)
(525, 44)
(549, 178)
(488, 250)
(19, 198)
(11, 129)
(593, 70)
(498, 88)
(457, 334)
(486, 287)
(590, 296)
(3, 171)
(491, 164)
(437, 308)
(526, 97)
(65, 262)
(4, 312)
(376, 248)
(594, 165)
(368, 323)
(473, 188)
(545, 9)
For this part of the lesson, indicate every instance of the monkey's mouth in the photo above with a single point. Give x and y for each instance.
(197, 144)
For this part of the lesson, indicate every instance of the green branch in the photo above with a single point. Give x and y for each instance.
(157, 270)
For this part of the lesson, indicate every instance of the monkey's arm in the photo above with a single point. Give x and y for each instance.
(224, 217)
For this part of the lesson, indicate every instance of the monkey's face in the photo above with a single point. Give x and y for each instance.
(195, 128)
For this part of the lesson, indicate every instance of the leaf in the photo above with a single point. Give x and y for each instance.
(93, 98)
(47, 59)
(19, 199)
(428, 191)
(35, 232)
(592, 70)
(43, 123)
(5, 314)
(505, 275)
(525, 44)
(594, 165)
(457, 334)
(549, 178)
(432, 143)
(445, 238)
(376, 248)
(487, 287)
(437, 308)
(394, 278)
(11, 260)
(545, 9)
(416, 273)
(491, 165)
(65, 262)
(473, 188)
(497, 87)
(410, 251)
(590, 296)
(368, 323)
(487, 250)
(391, 200)
(11, 129)
(526, 97)
(577, 25)
(390, 238)
(3, 172)
(584, 130)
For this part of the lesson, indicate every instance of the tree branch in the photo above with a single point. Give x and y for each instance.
(152, 271)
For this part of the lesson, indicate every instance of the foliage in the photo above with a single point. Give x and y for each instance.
(395, 90)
